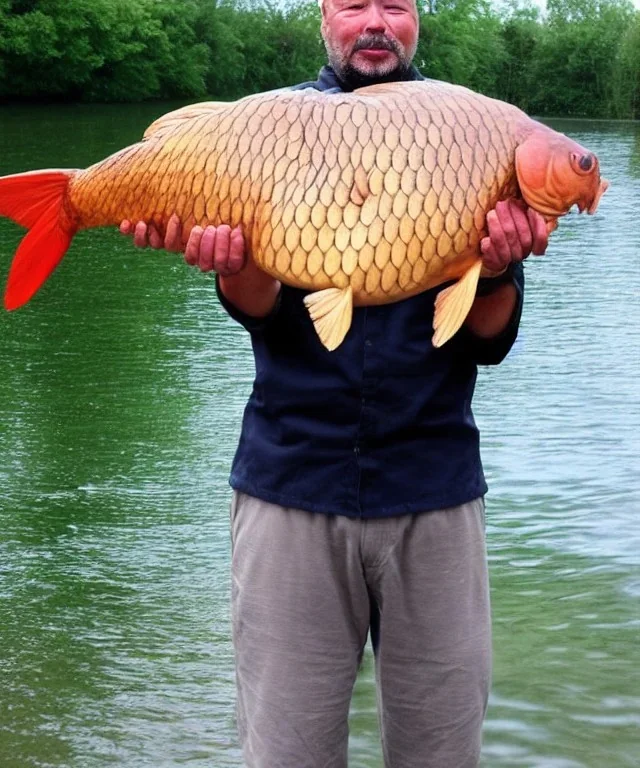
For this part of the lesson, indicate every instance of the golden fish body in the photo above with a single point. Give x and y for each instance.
(362, 198)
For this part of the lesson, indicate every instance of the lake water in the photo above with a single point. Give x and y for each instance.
(122, 389)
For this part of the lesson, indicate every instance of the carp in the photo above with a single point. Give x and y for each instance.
(360, 198)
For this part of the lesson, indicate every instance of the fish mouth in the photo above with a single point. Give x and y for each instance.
(604, 186)
(592, 207)
(542, 206)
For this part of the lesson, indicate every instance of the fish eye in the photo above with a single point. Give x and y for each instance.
(586, 162)
(583, 163)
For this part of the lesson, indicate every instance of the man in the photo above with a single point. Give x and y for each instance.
(358, 488)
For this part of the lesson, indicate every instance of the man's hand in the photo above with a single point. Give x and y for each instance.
(515, 231)
(220, 249)
(143, 235)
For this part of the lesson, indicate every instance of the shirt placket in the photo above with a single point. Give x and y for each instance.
(369, 416)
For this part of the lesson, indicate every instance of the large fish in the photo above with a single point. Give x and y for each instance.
(361, 198)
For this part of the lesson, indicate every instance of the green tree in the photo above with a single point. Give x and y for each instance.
(101, 49)
(216, 28)
(581, 58)
(576, 58)
(461, 42)
(521, 32)
(625, 85)
(282, 43)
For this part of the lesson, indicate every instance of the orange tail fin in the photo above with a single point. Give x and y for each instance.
(35, 200)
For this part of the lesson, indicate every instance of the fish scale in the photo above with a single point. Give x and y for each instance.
(361, 198)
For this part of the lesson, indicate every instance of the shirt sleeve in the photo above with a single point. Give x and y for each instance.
(249, 323)
(493, 351)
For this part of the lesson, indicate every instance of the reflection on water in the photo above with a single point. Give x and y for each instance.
(122, 391)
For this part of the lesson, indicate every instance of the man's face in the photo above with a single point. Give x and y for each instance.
(370, 40)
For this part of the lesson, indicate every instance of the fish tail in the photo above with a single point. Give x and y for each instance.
(36, 200)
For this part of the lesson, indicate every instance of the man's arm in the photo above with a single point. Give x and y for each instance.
(515, 231)
(490, 315)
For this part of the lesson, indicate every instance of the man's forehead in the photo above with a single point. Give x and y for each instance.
(322, 3)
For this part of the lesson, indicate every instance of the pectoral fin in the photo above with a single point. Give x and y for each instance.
(453, 305)
(331, 310)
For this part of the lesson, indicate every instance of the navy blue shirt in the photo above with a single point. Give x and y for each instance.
(381, 426)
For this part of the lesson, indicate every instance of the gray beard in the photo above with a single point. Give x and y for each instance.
(351, 78)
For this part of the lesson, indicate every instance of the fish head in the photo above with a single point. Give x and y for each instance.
(555, 173)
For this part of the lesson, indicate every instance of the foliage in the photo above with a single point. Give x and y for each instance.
(462, 43)
(581, 57)
(575, 62)
(100, 49)
(521, 34)
(625, 84)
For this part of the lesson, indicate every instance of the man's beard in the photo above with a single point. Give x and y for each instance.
(353, 77)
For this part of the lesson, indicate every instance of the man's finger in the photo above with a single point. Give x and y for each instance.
(490, 258)
(126, 228)
(523, 231)
(237, 256)
(506, 237)
(498, 238)
(155, 238)
(140, 235)
(221, 253)
(208, 245)
(173, 235)
(539, 231)
(193, 246)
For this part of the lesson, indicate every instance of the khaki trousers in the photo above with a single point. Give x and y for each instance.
(307, 589)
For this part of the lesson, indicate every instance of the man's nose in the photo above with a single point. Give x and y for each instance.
(375, 21)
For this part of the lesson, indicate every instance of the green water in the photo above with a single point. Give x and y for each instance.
(121, 394)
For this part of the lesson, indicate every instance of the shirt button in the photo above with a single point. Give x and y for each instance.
(368, 342)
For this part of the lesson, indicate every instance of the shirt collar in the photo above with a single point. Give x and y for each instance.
(327, 78)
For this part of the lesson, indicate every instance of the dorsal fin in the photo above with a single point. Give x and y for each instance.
(171, 119)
